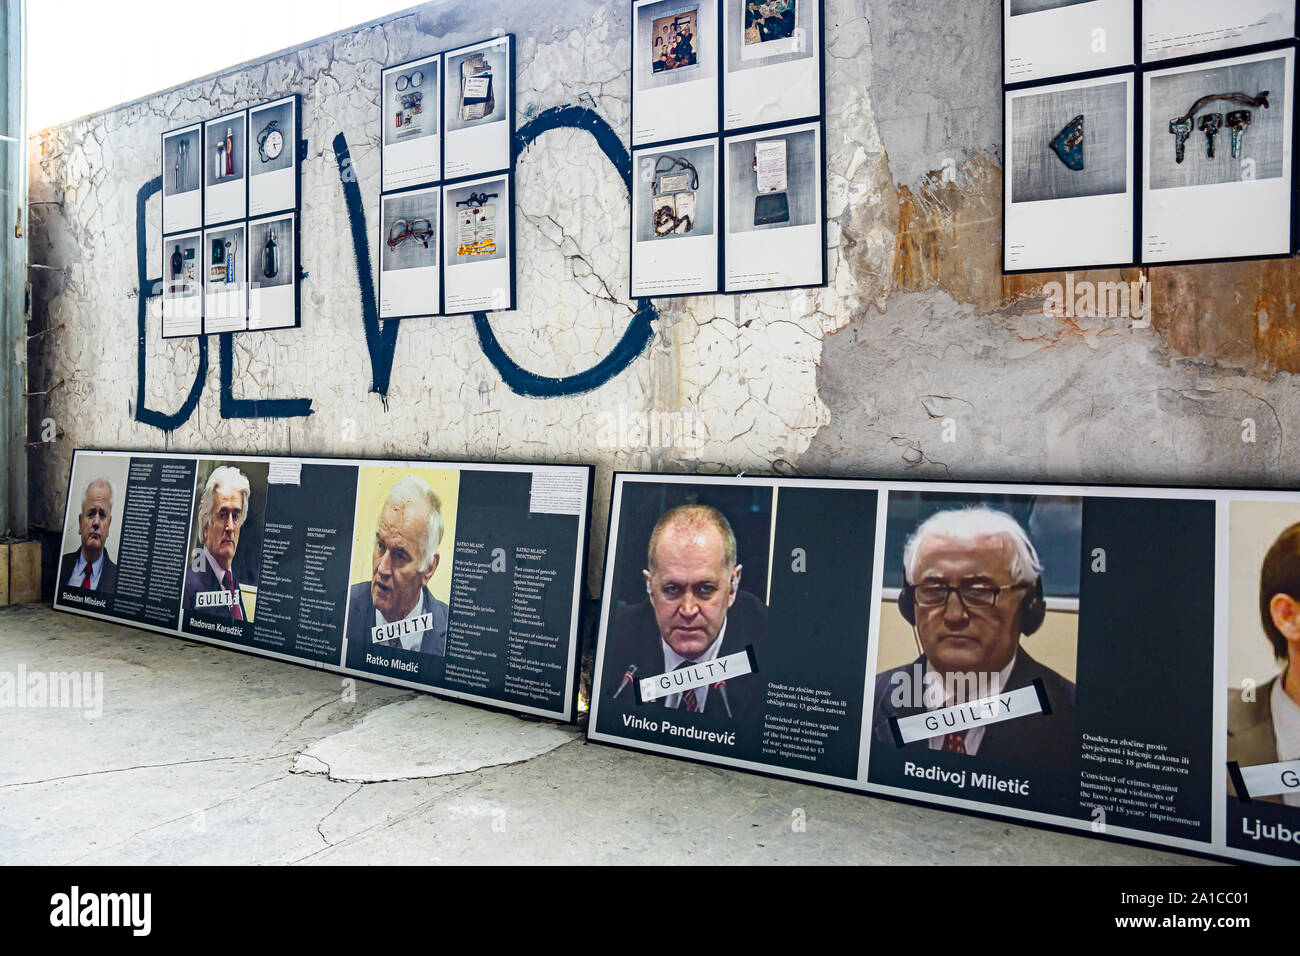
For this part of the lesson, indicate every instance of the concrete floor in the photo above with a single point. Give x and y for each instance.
(203, 755)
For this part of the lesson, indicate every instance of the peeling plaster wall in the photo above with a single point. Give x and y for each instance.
(917, 324)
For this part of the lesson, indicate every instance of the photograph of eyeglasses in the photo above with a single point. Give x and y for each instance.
(420, 230)
(410, 80)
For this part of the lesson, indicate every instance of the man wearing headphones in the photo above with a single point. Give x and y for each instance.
(972, 587)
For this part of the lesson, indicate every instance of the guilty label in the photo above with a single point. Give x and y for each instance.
(1008, 705)
(696, 675)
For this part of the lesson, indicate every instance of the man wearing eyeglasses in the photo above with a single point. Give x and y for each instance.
(694, 617)
(973, 588)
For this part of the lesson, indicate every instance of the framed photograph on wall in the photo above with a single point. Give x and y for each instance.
(411, 145)
(775, 209)
(675, 52)
(273, 160)
(182, 287)
(478, 243)
(1068, 191)
(225, 169)
(1217, 159)
(1172, 29)
(225, 279)
(675, 219)
(182, 179)
(772, 52)
(1045, 39)
(410, 277)
(272, 272)
(479, 108)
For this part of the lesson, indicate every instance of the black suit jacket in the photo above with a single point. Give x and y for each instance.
(1039, 740)
(361, 618)
(107, 574)
(634, 640)
(205, 579)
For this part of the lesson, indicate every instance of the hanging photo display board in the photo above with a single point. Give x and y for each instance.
(272, 157)
(479, 108)
(772, 52)
(182, 180)
(993, 648)
(1217, 158)
(446, 212)
(1042, 39)
(775, 209)
(706, 147)
(238, 178)
(675, 219)
(675, 52)
(1172, 29)
(1069, 196)
(461, 579)
(411, 154)
(409, 275)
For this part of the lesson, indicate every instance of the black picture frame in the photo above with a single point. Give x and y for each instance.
(579, 605)
(724, 127)
(437, 306)
(384, 186)
(447, 226)
(1217, 52)
(198, 128)
(713, 287)
(295, 265)
(294, 135)
(713, 129)
(819, 125)
(446, 177)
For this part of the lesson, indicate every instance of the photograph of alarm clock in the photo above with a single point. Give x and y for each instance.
(271, 129)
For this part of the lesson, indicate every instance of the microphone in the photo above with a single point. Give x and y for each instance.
(628, 675)
(721, 688)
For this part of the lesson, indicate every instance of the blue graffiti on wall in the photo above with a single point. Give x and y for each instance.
(381, 337)
(231, 407)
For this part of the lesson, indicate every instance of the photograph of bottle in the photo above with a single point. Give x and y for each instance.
(230, 152)
(270, 255)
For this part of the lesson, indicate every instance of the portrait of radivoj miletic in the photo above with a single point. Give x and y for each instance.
(1209, 124)
(224, 557)
(736, 623)
(677, 193)
(978, 647)
(1070, 142)
(1021, 7)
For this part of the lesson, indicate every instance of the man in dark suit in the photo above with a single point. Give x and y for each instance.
(89, 567)
(1264, 728)
(394, 609)
(694, 614)
(973, 588)
(211, 587)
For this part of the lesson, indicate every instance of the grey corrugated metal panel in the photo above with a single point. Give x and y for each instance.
(13, 267)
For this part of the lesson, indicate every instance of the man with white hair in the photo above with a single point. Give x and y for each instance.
(972, 587)
(394, 609)
(211, 586)
(89, 567)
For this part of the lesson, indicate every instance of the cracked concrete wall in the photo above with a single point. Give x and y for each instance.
(917, 324)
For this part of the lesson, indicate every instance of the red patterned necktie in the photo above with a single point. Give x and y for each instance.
(85, 582)
(955, 743)
(235, 612)
(689, 701)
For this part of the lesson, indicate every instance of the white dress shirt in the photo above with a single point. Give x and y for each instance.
(409, 642)
(976, 733)
(79, 571)
(1286, 726)
(673, 660)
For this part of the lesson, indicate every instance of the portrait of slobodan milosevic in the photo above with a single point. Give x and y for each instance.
(90, 567)
(212, 581)
(395, 609)
(697, 635)
(1264, 718)
(972, 587)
